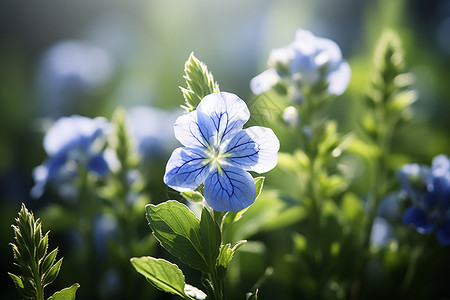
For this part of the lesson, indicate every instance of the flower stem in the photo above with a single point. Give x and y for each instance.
(38, 281)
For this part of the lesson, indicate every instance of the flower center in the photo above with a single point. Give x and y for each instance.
(216, 156)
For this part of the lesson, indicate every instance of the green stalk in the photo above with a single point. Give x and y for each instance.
(87, 212)
(38, 281)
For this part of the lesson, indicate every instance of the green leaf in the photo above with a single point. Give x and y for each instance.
(42, 247)
(259, 183)
(177, 230)
(48, 261)
(51, 275)
(210, 238)
(25, 288)
(17, 280)
(193, 196)
(225, 255)
(66, 294)
(162, 274)
(402, 100)
(200, 83)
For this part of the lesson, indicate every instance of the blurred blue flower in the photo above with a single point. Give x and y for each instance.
(381, 232)
(151, 128)
(72, 143)
(105, 228)
(309, 62)
(390, 209)
(218, 152)
(429, 190)
(68, 72)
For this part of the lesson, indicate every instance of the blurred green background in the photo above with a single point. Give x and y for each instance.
(59, 58)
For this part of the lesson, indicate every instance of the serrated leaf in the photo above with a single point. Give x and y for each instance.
(66, 294)
(210, 238)
(42, 247)
(48, 261)
(200, 82)
(177, 230)
(193, 196)
(17, 280)
(37, 233)
(24, 267)
(51, 275)
(162, 274)
(19, 283)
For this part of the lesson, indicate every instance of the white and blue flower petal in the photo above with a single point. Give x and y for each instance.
(254, 149)
(220, 116)
(339, 79)
(264, 81)
(329, 53)
(187, 131)
(186, 169)
(229, 189)
(72, 130)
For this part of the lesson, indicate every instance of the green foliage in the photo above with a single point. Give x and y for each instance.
(30, 252)
(197, 243)
(388, 95)
(193, 196)
(66, 294)
(200, 82)
(162, 274)
(210, 237)
(177, 229)
(226, 253)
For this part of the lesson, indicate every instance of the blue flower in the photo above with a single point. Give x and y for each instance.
(429, 190)
(71, 143)
(218, 152)
(309, 62)
(149, 127)
(381, 232)
(68, 73)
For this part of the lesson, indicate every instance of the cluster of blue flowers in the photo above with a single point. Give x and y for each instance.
(309, 62)
(72, 143)
(429, 192)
